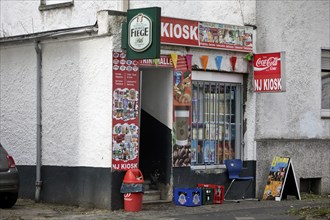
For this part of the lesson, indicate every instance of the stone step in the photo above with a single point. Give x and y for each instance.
(151, 195)
(156, 201)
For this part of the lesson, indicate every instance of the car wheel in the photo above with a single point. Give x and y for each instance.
(7, 200)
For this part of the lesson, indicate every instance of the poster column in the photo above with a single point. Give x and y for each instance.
(181, 111)
(125, 102)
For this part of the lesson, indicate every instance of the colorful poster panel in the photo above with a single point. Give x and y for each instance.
(276, 177)
(125, 105)
(181, 111)
(209, 151)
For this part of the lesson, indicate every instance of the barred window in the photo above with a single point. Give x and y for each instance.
(216, 122)
(325, 80)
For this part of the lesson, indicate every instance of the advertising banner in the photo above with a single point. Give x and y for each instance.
(163, 61)
(125, 105)
(183, 32)
(182, 97)
(269, 72)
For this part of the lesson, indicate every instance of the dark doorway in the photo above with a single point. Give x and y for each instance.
(155, 124)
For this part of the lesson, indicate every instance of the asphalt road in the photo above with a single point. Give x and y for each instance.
(246, 210)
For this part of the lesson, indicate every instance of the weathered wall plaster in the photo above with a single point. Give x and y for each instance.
(289, 123)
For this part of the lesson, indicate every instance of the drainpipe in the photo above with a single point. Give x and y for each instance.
(38, 182)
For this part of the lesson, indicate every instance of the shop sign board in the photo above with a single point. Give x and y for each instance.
(163, 61)
(269, 72)
(143, 33)
(191, 33)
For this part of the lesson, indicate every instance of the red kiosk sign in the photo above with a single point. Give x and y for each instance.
(269, 72)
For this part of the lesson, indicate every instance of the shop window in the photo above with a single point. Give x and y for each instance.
(216, 122)
(325, 79)
(54, 4)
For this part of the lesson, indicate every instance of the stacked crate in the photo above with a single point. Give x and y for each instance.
(219, 190)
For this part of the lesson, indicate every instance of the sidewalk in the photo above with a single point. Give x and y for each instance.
(28, 209)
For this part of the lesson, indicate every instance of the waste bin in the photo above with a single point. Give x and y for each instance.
(133, 189)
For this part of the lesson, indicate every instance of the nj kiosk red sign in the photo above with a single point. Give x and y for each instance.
(269, 72)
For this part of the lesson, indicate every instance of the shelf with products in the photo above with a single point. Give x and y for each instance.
(213, 131)
(211, 151)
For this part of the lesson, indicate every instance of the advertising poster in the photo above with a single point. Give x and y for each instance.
(209, 151)
(125, 106)
(225, 36)
(191, 33)
(276, 178)
(182, 96)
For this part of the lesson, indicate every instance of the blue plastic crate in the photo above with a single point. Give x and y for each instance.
(188, 196)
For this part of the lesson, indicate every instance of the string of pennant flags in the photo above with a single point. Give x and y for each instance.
(204, 59)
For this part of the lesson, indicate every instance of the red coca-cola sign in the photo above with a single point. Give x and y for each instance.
(269, 72)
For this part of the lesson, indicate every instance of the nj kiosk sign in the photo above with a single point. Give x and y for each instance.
(269, 72)
(143, 33)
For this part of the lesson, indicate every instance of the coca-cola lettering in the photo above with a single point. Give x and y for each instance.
(270, 62)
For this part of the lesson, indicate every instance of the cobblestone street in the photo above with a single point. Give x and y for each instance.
(28, 210)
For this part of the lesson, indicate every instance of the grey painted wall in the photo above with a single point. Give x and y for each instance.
(310, 159)
(290, 123)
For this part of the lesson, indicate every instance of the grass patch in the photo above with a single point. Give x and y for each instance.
(312, 212)
(321, 212)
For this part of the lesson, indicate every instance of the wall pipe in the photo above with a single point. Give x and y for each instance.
(38, 182)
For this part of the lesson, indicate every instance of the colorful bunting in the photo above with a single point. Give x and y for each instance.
(233, 62)
(156, 62)
(204, 61)
(174, 58)
(189, 60)
(218, 60)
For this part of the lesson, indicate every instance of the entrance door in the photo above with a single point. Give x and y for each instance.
(155, 125)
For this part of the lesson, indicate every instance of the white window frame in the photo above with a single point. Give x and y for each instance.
(223, 78)
(48, 5)
(325, 73)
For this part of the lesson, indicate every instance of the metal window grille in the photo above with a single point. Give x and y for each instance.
(216, 122)
(325, 79)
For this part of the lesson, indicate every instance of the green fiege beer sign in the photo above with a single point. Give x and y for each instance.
(140, 33)
(143, 33)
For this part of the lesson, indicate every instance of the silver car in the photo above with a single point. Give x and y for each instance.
(9, 180)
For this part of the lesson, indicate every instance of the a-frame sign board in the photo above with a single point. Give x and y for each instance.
(281, 180)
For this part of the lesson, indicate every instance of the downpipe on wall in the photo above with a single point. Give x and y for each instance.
(38, 182)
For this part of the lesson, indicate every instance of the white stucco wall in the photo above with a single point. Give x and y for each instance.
(228, 12)
(24, 17)
(300, 28)
(76, 83)
(76, 102)
(157, 85)
(17, 102)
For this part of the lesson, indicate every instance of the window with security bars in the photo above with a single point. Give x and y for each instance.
(216, 122)
(325, 80)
